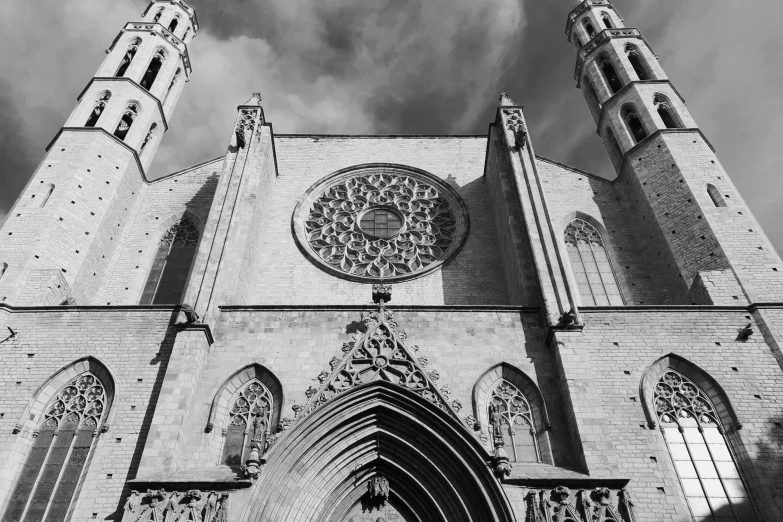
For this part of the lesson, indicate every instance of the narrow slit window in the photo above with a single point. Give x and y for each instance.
(634, 123)
(637, 62)
(590, 263)
(59, 453)
(46, 193)
(128, 57)
(716, 196)
(665, 111)
(174, 81)
(100, 105)
(150, 136)
(126, 121)
(249, 416)
(3, 270)
(610, 74)
(171, 266)
(701, 454)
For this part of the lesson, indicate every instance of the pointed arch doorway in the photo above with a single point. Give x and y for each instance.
(320, 470)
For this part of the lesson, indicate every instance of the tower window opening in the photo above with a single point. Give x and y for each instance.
(46, 193)
(589, 28)
(716, 196)
(592, 97)
(607, 21)
(610, 74)
(637, 62)
(187, 32)
(157, 16)
(666, 112)
(634, 123)
(100, 104)
(154, 68)
(174, 80)
(174, 23)
(590, 263)
(128, 58)
(3, 269)
(130, 114)
(149, 136)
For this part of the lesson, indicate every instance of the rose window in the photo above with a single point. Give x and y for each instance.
(381, 222)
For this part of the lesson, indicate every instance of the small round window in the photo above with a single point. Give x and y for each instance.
(380, 222)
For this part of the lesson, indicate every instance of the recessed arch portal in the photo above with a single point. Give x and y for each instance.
(437, 471)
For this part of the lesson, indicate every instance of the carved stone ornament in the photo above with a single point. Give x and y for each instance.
(245, 126)
(378, 354)
(191, 506)
(380, 223)
(515, 123)
(377, 492)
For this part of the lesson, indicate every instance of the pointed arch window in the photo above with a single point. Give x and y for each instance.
(174, 81)
(716, 196)
(519, 431)
(153, 69)
(250, 411)
(173, 24)
(150, 135)
(171, 267)
(605, 64)
(133, 47)
(157, 16)
(128, 117)
(702, 456)
(637, 62)
(607, 21)
(591, 266)
(589, 28)
(665, 111)
(187, 32)
(634, 123)
(60, 452)
(3, 270)
(46, 193)
(100, 104)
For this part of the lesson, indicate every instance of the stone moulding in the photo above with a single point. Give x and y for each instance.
(435, 223)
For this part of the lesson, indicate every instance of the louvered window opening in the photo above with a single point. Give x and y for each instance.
(59, 453)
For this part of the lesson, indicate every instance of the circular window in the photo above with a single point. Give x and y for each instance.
(380, 222)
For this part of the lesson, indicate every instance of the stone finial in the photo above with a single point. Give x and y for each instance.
(381, 294)
(255, 99)
(505, 100)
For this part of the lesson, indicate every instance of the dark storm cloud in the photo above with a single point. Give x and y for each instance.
(402, 66)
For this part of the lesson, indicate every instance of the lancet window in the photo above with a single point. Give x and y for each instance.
(607, 21)
(715, 195)
(157, 16)
(174, 23)
(153, 69)
(128, 117)
(128, 58)
(519, 431)
(592, 269)
(701, 454)
(249, 417)
(100, 104)
(174, 81)
(589, 28)
(610, 74)
(634, 123)
(59, 453)
(637, 62)
(150, 135)
(171, 267)
(666, 112)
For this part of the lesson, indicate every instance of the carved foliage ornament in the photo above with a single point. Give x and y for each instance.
(591, 506)
(159, 506)
(516, 124)
(381, 222)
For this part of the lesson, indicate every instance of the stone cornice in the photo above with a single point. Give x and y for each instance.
(142, 89)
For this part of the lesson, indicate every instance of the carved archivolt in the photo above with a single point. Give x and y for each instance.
(381, 222)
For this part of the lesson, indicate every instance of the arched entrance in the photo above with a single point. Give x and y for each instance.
(320, 470)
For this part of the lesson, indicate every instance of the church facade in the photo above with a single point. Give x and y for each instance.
(387, 328)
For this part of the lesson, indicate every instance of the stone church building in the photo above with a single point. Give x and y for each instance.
(318, 328)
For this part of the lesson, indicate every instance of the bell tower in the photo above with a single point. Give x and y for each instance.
(689, 216)
(63, 229)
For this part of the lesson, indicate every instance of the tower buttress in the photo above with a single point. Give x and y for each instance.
(63, 228)
(688, 212)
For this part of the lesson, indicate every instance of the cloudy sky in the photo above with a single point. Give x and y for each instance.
(403, 66)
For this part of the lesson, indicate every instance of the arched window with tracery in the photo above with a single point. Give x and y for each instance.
(59, 453)
(637, 62)
(153, 69)
(127, 119)
(610, 75)
(133, 47)
(665, 111)
(250, 412)
(519, 432)
(634, 123)
(591, 266)
(100, 104)
(702, 456)
(171, 267)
